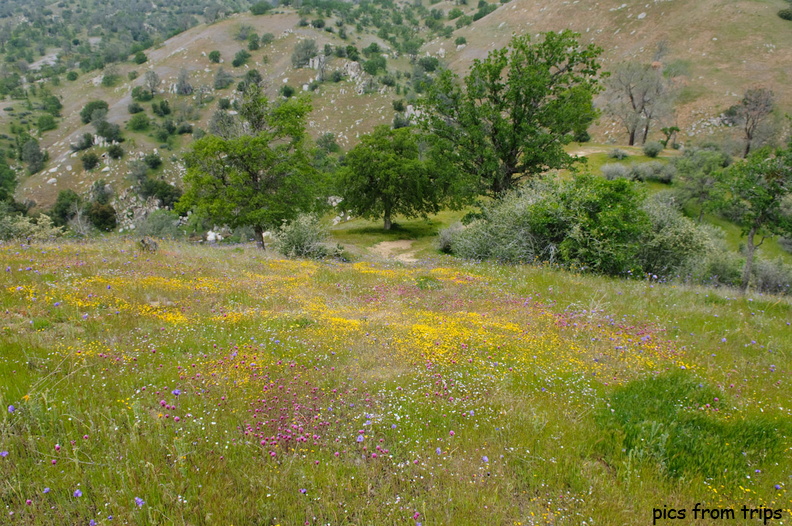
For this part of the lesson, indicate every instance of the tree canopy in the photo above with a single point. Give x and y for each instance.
(257, 179)
(385, 175)
(754, 195)
(512, 115)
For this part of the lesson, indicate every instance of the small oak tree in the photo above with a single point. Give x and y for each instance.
(384, 175)
(754, 192)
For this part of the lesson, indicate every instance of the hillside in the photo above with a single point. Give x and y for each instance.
(713, 50)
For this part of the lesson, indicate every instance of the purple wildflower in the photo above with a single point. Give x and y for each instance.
(77, 493)
(140, 502)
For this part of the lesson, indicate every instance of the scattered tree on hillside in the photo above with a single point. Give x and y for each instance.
(33, 155)
(638, 95)
(88, 113)
(152, 81)
(256, 180)
(304, 51)
(751, 113)
(696, 176)
(512, 115)
(754, 193)
(183, 86)
(385, 175)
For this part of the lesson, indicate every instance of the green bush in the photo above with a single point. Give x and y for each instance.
(139, 122)
(115, 151)
(773, 277)
(652, 149)
(786, 13)
(304, 237)
(654, 171)
(88, 110)
(140, 94)
(161, 224)
(140, 57)
(613, 171)
(89, 161)
(287, 91)
(134, 108)
(46, 123)
(71, 75)
(460, 41)
(214, 56)
(166, 193)
(152, 160)
(241, 58)
(260, 8)
(102, 216)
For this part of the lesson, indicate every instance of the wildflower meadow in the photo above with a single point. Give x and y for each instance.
(222, 385)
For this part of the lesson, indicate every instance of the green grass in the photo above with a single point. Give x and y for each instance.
(484, 390)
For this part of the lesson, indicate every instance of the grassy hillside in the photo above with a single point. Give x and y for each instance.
(224, 385)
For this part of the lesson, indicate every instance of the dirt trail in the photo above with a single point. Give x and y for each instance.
(398, 250)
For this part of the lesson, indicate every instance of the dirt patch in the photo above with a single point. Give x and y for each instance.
(398, 250)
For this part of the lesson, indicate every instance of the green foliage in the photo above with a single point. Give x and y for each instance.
(260, 8)
(140, 94)
(15, 226)
(160, 223)
(384, 175)
(167, 194)
(287, 91)
(696, 176)
(52, 105)
(33, 155)
(652, 149)
(460, 41)
(134, 107)
(102, 216)
(83, 143)
(773, 277)
(214, 56)
(785, 13)
(140, 58)
(455, 13)
(428, 64)
(303, 237)
(670, 421)
(241, 58)
(152, 160)
(304, 51)
(258, 180)
(139, 122)
(115, 151)
(373, 65)
(71, 75)
(515, 111)
(223, 79)
(755, 192)
(89, 161)
(8, 181)
(86, 114)
(46, 123)
(66, 206)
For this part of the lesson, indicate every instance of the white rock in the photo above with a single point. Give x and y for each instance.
(52, 181)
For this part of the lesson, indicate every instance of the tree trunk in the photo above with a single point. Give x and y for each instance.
(388, 224)
(750, 248)
(632, 137)
(645, 132)
(259, 236)
(747, 148)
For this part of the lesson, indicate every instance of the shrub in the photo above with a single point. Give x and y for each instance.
(287, 91)
(152, 160)
(672, 243)
(786, 13)
(616, 171)
(654, 171)
(46, 123)
(260, 8)
(140, 57)
(86, 114)
(652, 149)
(160, 223)
(139, 122)
(17, 226)
(214, 56)
(167, 194)
(267, 38)
(89, 161)
(115, 151)
(773, 277)
(134, 107)
(337, 76)
(460, 41)
(83, 143)
(618, 153)
(302, 237)
(102, 216)
(241, 57)
(446, 237)
(304, 51)
(71, 75)
(140, 94)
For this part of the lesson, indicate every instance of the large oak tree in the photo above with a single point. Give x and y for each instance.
(512, 115)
